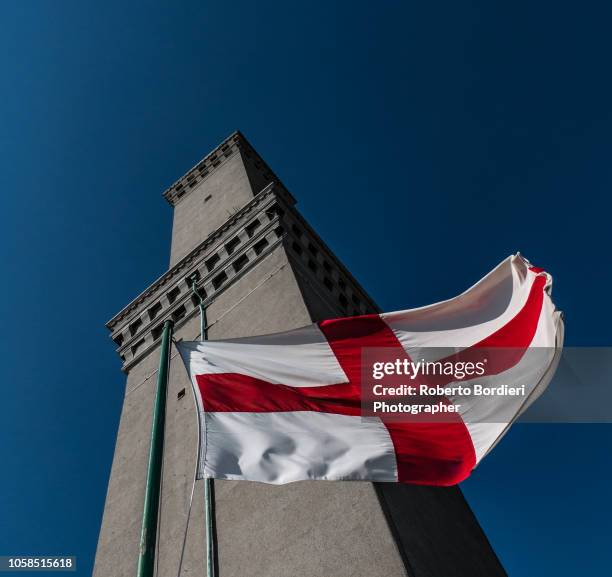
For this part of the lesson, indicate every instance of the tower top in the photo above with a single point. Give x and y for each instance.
(214, 159)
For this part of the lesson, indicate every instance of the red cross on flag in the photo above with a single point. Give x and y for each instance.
(290, 406)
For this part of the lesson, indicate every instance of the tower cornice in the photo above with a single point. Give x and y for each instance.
(233, 144)
(176, 270)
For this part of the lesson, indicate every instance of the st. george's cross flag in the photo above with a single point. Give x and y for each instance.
(287, 407)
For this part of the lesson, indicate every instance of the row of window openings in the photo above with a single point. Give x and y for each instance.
(313, 250)
(179, 313)
(232, 245)
(313, 266)
(210, 264)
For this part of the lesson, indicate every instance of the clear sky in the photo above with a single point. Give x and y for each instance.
(424, 141)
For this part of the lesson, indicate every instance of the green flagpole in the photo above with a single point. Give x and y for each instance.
(146, 559)
(208, 483)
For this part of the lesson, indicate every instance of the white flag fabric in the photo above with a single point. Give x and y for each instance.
(288, 407)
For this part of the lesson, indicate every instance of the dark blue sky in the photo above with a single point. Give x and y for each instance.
(424, 143)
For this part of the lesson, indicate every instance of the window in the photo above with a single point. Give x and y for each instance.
(312, 265)
(180, 395)
(207, 197)
(260, 246)
(252, 227)
(341, 284)
(173, 294)
(157, 332)
(219, 280)
(231, 246)
(279, 231)
(118, 340)
(154, 310)
(327, 266)
(135, 326)
(212, 262)
(179, 313)
(137, 346)
(241, 262)
(313, 249)
(297, 248)
(343, 301)
(328, 284)
(195, 299)
(274, 211)
(193, 277)
(296, 230)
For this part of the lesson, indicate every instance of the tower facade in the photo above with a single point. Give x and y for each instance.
(262, 269)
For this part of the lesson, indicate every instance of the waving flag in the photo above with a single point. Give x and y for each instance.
(288, 407)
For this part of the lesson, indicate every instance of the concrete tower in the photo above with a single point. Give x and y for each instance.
(263, 269)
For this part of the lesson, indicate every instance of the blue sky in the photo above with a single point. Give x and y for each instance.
(424, 143)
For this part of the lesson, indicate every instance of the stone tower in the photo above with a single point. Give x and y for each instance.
(263, 269)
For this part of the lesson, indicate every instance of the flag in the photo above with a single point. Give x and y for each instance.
(287, 407)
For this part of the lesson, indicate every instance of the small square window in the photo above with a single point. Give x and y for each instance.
(296, 230)
(313, 249)
(241, 262)
(154, 310)
(179, 313)
(157, 332)
(343, 301)
(341, 284)
(327, 266)
(118, 340)
(137, 346)
(252, 227)
(274, 211)
(219, 280)
(279, 231)
(207, 197)
(297, 247)
(135, 326)
(195, 299)
(180, 395)
(260, 246)
(212, 262)
(173, 294)
(328, 284)
(231, 245)
(312, 265)
(193, 277)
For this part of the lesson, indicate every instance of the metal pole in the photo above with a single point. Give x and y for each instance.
(148, 534)
(209, 518)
